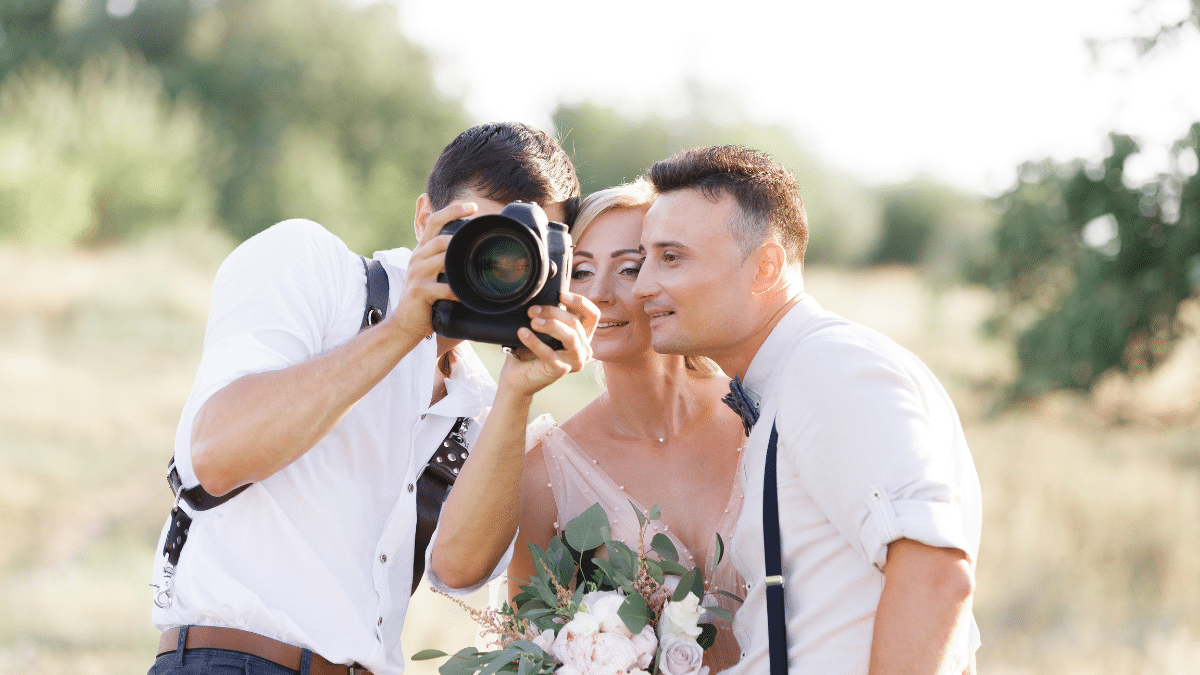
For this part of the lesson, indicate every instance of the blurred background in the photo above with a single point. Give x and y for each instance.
(1011, 191)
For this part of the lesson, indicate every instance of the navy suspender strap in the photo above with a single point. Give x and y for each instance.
(772, 553)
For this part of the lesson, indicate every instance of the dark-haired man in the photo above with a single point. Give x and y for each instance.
(878, 499)
(330, 424)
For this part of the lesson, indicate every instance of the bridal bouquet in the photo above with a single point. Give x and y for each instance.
(634, 612)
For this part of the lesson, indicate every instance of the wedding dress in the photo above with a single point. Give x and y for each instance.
(578, 482)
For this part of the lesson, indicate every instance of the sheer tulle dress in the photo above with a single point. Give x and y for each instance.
(578, 482)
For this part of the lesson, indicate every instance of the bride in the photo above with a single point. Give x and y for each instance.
(658, 435)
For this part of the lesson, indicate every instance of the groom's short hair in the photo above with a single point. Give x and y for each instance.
(505, 162)
(768, 199)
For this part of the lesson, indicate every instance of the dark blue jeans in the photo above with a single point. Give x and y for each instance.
(220, 662)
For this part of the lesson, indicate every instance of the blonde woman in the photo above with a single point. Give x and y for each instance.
(658, 435)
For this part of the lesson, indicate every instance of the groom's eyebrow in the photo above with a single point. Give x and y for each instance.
(667, 244)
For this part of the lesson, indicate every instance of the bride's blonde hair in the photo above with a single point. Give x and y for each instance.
(639, 194)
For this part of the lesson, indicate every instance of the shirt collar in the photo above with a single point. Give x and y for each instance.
(779, 343)
(469, 389)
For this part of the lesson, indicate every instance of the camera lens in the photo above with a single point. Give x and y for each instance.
(501, 265)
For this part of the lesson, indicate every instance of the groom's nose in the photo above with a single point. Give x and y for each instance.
(646, 284)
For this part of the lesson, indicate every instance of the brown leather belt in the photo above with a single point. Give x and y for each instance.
(234, 640)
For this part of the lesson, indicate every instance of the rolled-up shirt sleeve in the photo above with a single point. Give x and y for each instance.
(862, 421)
(438, 585)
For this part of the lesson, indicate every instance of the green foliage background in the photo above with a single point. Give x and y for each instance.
(236, 114)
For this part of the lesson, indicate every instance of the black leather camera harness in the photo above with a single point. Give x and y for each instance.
(433, 484)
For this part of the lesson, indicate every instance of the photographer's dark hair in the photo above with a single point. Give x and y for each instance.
(505, 162)
(767, 196)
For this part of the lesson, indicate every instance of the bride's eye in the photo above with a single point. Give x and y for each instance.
(581, 273)
(630, 269)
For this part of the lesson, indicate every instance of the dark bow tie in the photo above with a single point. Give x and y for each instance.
(741, 404)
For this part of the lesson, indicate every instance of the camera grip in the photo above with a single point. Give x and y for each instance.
(456, 321)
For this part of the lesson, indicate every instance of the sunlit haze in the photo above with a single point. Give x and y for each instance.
(965, 91)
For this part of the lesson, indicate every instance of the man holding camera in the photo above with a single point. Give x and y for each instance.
(322, 425)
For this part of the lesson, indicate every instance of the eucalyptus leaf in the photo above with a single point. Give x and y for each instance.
(588, 530)
(655, 570)
(655, 514)
(500, 659)
(615, 576)
(731, 595)
(692, 582)
(663, 546)
(634, 612)
(675, 568)
(640, 516)
(623, 559)
(720, 613)
(426, 654)
(708, 635)
(720, 553)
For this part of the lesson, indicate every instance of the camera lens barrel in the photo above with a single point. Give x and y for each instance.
(498, 267)
(495, 264)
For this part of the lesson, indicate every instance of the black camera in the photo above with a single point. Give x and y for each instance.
(498, 267)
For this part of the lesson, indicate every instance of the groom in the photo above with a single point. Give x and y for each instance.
(878, 495)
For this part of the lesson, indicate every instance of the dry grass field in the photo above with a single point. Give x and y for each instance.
(1091, 549)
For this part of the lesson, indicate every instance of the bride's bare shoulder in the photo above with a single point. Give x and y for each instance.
(586, 421)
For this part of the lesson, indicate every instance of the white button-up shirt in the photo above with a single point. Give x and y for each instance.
(319, 554)
(870, 450)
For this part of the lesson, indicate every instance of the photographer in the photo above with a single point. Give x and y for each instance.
(331, 424)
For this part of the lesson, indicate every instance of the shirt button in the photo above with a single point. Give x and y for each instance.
(423, 416)
(382, 557)
(380, 622)
(410, 487)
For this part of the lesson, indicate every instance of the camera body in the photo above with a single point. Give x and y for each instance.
(498, 267)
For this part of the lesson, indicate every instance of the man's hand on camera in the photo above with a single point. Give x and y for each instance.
(421, 287)
(534, 367)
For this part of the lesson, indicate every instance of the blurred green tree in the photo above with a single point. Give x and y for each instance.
(98, 158)
(1092, 269)
(313, 108)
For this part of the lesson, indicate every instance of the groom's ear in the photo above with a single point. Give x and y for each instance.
(423, 212)
(771, 259)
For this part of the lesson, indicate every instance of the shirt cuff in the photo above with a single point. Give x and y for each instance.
(438, 585)
(933, 523)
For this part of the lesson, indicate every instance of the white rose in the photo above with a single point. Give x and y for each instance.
(681, 656)
(568, 670)
(603, 654)
(580, 626)
(680, 618)
(605, 606)
(545, 640)
(645, 643)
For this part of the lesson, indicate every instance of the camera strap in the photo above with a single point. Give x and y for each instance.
(435, 481)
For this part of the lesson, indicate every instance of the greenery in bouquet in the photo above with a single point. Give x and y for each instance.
(623, 612)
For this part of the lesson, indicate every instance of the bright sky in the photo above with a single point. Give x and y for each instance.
(962, 89)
